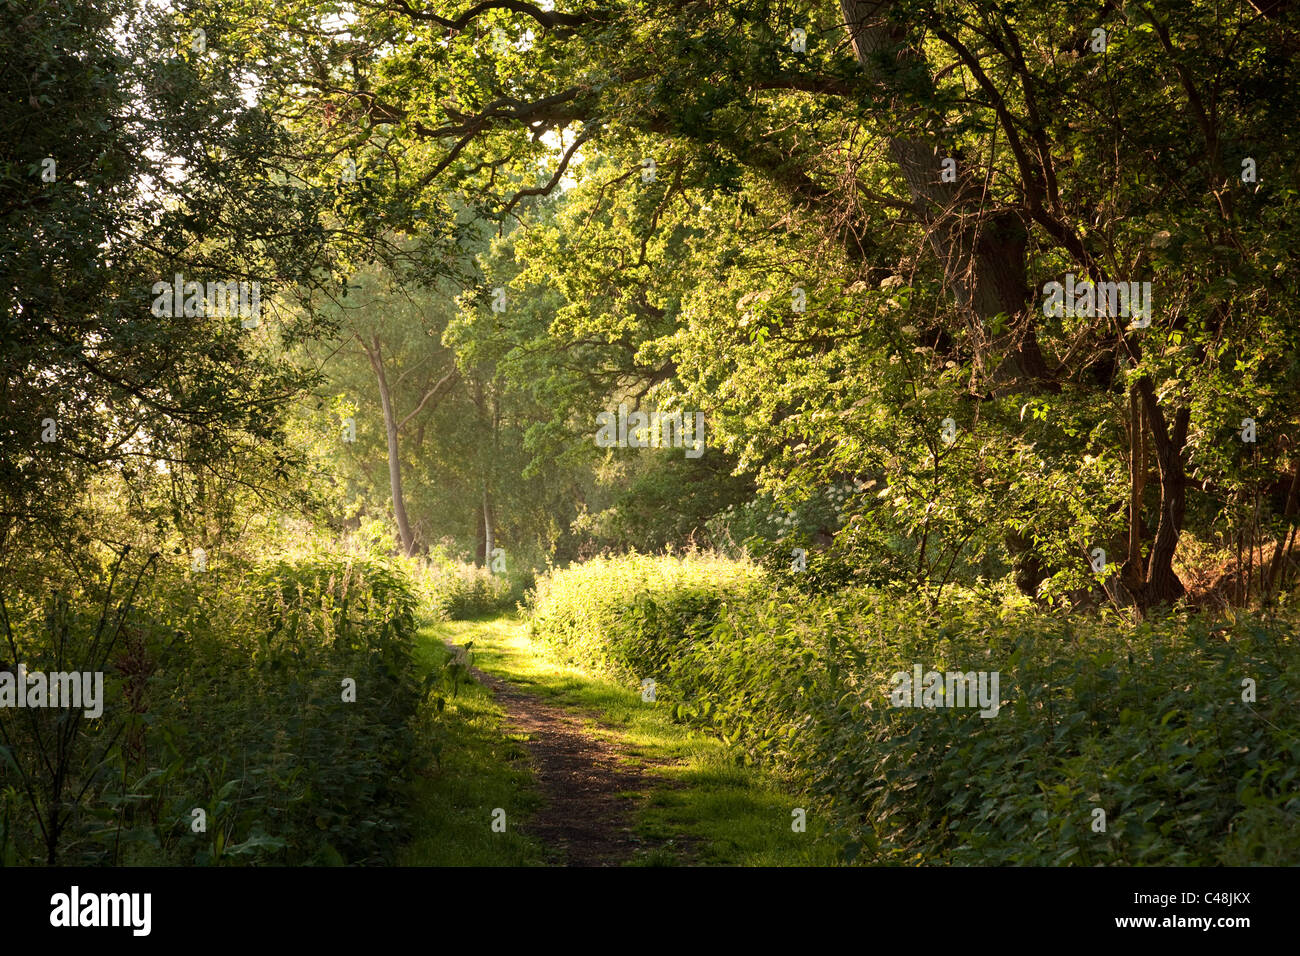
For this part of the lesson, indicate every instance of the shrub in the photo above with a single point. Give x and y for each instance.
(459, 591)
(629, 612)
(1145, 722)
(225, 695)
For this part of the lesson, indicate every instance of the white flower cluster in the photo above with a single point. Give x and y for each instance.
(784, 522)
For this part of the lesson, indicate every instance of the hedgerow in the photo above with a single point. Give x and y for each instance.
(456, 591)
(227, 736)
(1146, 723)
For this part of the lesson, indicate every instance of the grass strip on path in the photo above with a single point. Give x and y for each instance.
(479, 767)
(701, 807)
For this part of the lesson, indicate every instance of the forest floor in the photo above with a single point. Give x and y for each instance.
(588, 773)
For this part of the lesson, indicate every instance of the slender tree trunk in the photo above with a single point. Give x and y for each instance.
(489, 415)
(1134, 572)
(1292, 498)
(394, 457)
(488, 529)
(489, 513)
(1161, 585)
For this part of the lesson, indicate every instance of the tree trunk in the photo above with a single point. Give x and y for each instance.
(1028, 566)
(394, 458)
(1134, 571)
(982, 250)
(489, 416)
(1161, 585)
(1288, 514)
(480, 543)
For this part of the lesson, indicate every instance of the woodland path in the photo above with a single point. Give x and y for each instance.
(612, 778)
(584, 780)
(590, 782)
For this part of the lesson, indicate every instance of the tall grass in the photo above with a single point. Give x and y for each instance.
(226, 695)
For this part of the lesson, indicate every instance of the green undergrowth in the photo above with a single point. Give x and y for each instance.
(455, 591)
(1144, 722)
(253, 714)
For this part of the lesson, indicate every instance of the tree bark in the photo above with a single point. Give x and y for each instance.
(1160, 584)
(489, 414)
(394, 458)
(1288, 513)
(1134, 573)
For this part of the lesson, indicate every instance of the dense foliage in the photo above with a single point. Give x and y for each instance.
(461, 591)
(225, 694)
(1147, 724)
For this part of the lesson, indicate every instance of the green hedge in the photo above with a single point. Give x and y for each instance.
(458, 592)
(225, 693)
(1146, 723)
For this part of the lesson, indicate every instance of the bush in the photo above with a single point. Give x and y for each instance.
(1144, 722)
(458, 591)
(225, 694)
(630, 613)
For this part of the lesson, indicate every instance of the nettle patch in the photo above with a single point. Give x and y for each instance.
(1106, 743)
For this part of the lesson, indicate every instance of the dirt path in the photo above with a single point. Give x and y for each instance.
(589, 790)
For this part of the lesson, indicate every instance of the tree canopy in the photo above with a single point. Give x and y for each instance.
(961, 289)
